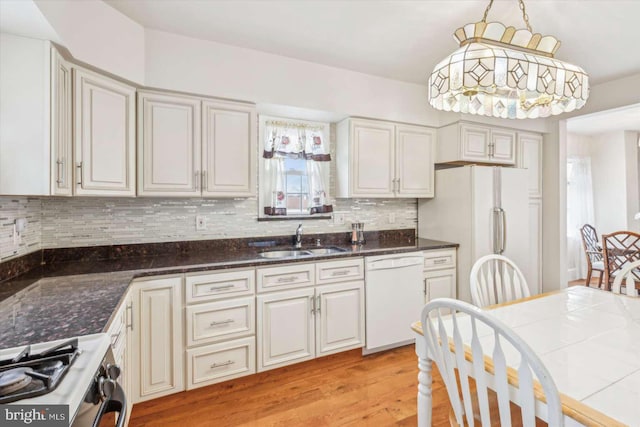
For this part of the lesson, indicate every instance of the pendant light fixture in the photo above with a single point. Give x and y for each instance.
(505, 72)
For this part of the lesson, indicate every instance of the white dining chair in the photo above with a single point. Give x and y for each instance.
(630, 273)
(495, 279)
(451, 330)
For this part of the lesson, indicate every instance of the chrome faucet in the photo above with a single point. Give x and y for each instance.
(299, 236)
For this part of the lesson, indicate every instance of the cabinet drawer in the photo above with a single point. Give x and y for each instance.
(285, 277)
(117, 331)
(439, 259)
(224, 284)
(339, 271)
(218, 321)
(220, 362)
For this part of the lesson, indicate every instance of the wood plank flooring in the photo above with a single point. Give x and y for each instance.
(345, 389)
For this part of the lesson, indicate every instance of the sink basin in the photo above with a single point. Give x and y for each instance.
(297, 253)
(292, 253)
(325, 251)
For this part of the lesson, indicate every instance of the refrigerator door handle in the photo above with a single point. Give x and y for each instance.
(496, 230)
(503, 230)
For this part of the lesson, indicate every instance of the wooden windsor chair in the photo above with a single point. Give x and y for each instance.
(593, 251)
(619, 248)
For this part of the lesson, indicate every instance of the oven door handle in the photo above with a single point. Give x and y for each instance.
(117, 402)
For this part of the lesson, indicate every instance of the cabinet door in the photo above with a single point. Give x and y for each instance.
(530, 158)
(415, 153)
(104, 121)
(228, 149)
(286, 328)
(503, 147)
(339, 317)
(474, 143)
(61, 140)
(440, 284)
(535, 246)
(372, 159)
(157, 307)
(168, 145)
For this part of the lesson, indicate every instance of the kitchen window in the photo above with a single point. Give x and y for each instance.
(294, 169)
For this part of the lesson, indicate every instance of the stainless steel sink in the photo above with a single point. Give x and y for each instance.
(298, 253)
(325, 251)
(292, 253)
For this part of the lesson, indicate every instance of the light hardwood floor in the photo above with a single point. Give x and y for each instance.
(345, 389)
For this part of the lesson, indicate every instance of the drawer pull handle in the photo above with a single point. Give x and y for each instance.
(340, 273)
(440, 261)
(228, 362)
(222, 322)
(220, 288)
(287, 279)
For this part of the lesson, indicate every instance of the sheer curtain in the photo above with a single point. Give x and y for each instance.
(295, 141)
(579, 212)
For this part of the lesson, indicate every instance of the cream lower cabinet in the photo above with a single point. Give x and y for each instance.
(299, 324)
(121, 345)
(439, 274)
(220, 319)
(157, 328)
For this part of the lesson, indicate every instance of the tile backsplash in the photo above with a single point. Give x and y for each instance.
(71, 222)
(12, 208)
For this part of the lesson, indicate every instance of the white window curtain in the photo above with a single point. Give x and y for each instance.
(295, 141)
(579, 212)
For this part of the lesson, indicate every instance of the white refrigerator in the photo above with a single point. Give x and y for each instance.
(485, 210)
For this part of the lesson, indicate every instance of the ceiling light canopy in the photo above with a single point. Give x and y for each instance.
(502, 72)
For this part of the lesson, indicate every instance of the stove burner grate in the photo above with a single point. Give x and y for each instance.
(30, 375)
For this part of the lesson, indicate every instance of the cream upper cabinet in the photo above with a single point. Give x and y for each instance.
(25, 68)
(169, 138)
(188, 146)
(415, 149)
(61, 138)
(467, 142)
(530, 158)
(104, 132)
(382, 159)
(229, 146)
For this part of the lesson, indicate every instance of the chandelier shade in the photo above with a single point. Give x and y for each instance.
(502, 72)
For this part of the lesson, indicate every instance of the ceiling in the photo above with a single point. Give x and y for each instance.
(402, 40)
(626, 118)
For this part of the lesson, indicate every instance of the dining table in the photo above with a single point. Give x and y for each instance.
(589, 340)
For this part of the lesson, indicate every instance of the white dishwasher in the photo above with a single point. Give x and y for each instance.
(394, 296)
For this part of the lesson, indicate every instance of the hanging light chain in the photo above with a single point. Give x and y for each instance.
(525, 17)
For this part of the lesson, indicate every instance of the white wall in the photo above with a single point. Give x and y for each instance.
(617, 93)
(190, 65)
(609, 181)
(99, 35)
(632, 167)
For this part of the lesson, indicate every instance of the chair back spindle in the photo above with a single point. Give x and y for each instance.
(495, 279)
(459, 343)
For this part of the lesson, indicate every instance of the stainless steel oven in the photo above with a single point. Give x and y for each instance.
(103, 396)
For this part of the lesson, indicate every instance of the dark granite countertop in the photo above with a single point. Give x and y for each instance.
(64, 299)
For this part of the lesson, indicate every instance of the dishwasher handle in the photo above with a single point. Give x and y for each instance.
(393, 263)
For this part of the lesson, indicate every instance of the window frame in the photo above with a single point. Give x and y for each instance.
(262, 197)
